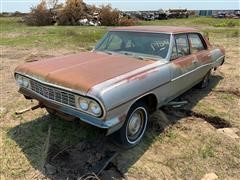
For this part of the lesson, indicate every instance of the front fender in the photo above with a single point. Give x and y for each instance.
(122, 94)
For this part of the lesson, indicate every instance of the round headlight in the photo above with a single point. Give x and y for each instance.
(25, 82)
(95, 108)
(83, 103)
(20, 80)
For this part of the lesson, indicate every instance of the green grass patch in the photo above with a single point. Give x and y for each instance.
(195, 21)
(206, 151)
(16, 34)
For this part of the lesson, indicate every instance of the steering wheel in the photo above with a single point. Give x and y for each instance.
(180, 53)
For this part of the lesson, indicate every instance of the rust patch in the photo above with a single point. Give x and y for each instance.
(183, 62)
(82, 71)
(168, 29)
(142, 75)
(204, 57)
(138, 77)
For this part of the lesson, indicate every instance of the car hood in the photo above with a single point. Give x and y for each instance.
(81, 71)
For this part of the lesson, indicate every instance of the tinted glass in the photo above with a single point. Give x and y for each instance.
(154, 45)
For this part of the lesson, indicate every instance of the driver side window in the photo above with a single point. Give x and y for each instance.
(115, 43)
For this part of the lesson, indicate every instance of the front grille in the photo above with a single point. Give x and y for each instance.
(55, 94)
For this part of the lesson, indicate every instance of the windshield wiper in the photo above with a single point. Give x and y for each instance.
(108, 52)
(137, 56)
(131, 54)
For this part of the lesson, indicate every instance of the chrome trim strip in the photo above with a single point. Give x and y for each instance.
(189, 72)
(66, 89)
(223, 56)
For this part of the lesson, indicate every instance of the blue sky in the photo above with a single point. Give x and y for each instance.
(24, 5)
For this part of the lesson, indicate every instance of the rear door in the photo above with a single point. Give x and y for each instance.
(183, 65)
(198, 47)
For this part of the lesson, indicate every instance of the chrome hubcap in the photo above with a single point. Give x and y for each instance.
(135, 124)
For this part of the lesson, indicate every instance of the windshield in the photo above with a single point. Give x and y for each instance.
(138, 44)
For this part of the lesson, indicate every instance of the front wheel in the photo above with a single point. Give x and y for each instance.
(134, 126)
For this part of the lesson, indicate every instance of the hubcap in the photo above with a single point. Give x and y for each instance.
(135, 125)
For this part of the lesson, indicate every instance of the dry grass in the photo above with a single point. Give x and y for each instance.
(188, 148)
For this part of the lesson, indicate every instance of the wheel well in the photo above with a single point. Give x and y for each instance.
(151, 102)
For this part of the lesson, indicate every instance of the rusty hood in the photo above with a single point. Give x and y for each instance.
(81, 71)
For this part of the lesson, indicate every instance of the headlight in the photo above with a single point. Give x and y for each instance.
(83, 103)
(95, 108)
(25, 82)
(22, 81)
(19, 80)
(89, 106)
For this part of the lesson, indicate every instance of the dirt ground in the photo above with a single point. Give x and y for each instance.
(184, 143)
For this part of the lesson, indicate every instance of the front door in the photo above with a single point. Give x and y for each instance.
(183, 65)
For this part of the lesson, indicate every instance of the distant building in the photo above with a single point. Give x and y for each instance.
(213, 12)
(205, 13)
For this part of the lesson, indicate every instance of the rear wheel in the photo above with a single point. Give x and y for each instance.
(134, 126)
(205, 81)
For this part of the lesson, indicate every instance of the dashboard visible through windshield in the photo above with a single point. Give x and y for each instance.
(139, 44)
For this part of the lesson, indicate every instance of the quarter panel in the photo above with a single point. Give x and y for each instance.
(217, 56)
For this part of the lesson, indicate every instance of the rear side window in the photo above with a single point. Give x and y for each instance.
(196, 43)
(182, 45)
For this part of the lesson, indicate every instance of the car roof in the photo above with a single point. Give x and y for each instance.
(156, 29)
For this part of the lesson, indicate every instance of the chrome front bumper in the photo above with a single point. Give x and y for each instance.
(111, 125)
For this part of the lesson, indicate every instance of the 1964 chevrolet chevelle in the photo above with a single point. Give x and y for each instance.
(131, 72)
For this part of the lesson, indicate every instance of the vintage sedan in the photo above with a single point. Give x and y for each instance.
(131, 72)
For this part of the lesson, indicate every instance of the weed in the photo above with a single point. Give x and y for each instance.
(228, 97)
(17, 116)
(226, 23)
(206, 151)
(70, 32)
(235, 33)
(171, 134)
